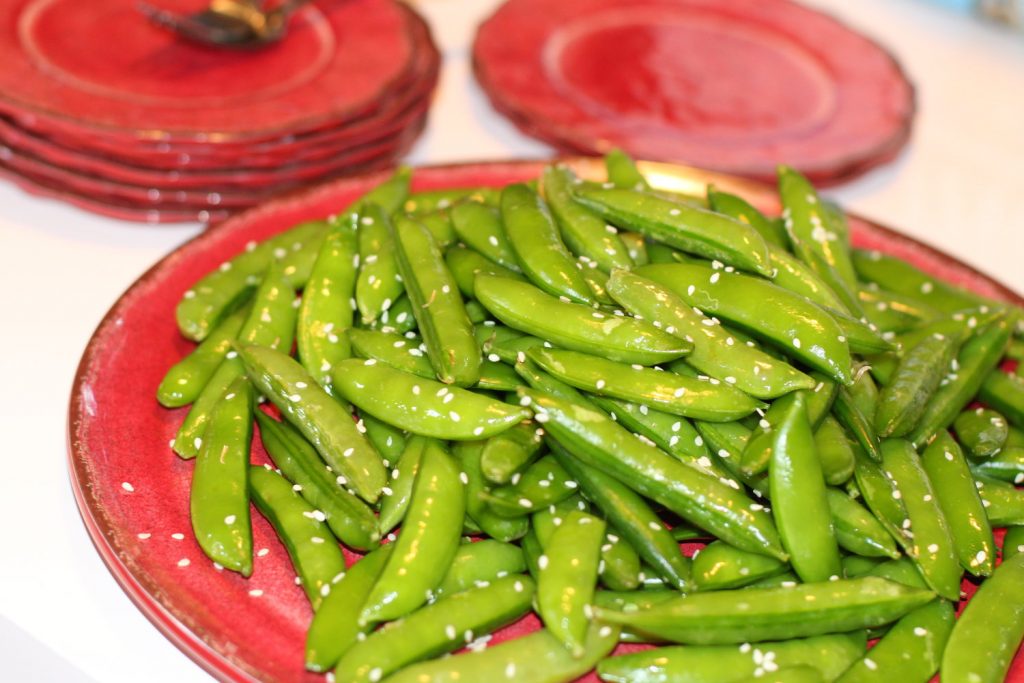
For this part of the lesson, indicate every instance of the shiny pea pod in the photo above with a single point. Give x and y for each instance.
(671, 433)
(398, 319)
(992, 623)
(543, 483)
(184, 382)
(335, 626)
(796, 326)
(740, 209)
(864, 393)
(1003, 502)
(691, 229)
(792, 674)
(849, 415)
(932, 550)
(468, 453)
(891, 312)
(896, 275)
(218, 293)
(322, 419)
(439, 225)
(218, 496)
(719, 566)
(1013, 542)
(882, 498)
(397, 494)
(479, 227)
(902, 571)
(510, 452)
(857, 530)
(428, 542)
(726, 440)
(834, 452)
(1005, 393)
(271, 323)
(1007, 465)
(910, 651)
(397, 351)
(622, 170)
(632, 517)
(349, 518)
(327, 310)
(464, 265)
(636, 247)
(586, 233)
(314, 553)
(715, 351)
(427, 201)
(829, 654)
(379, 283)
(441, 627)
(982, 432)
(665, 391)
(423, 406)
(574, 326)
(799, 504)
(719, 617)
(701, 499)
(568, 578)
(796, 276)
(440, 313)
(478, 563)
(950, 477)
(389, 441)
(539, 657)
(538, 247)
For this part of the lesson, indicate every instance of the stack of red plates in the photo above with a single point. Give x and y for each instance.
(105, 110)
(738, 86)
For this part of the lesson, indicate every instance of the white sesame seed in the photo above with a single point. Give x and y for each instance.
(184, 562)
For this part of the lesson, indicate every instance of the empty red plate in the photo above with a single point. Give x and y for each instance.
(736, 86)
(133, 492)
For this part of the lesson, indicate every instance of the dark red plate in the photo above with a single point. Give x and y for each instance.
(122, 76)
(736, 86)
(132, 491)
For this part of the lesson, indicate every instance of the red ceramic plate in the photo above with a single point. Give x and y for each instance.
(740, 86)
(133, 492)
(123, 76)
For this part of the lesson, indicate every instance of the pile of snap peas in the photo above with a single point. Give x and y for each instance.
(538, 392)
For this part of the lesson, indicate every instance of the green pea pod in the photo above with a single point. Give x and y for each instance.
(932, 548)
(693, 230)
(574, 326)
(479, 226)
(977, 359)
(538, 247)
(864, 394)
(796, 276)
(389, 441)
(903, 400)
(896, 275)
(464, 264)
(902, 571)
(701, 499)
(437, 305)
(398, 319)
(947, 471)
(401, 352)
(586, 233)
(632, 517)
(1013, 542)
(505, 529)
(857, 530)
(830, 655)
(349, 518)
(834, 452)
(703, 399)
(983, 432)
(422, 406)
(671, 433)
(271, 323)
(444, 626)
(619, 568)
(891, 312)
(798, 327)
(715, 351)
(510, 452)
(219, 497)
(862, 337)
(1003, 502)
(727, 440)
(881, 497)
(542, 484)
(321, 419)
(1005, 393)
(539, 657)
(719, 566)
(740, 209)
(636, 247)
(427, 544)
(622, 170)
(476, 564)
(427, 201)
(184, 382)
(397, 494)
(856, 423)
(335, 626)
(910, 651)
(314, 552)
(990, 629)
(747, 615)
(379, 283)
(220, 291)
(439, 225)
(326, 310)
(1007, 465)
(799, 504)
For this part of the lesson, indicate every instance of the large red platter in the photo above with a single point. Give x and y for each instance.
(122, 76)
(132, 491)
(735, 86)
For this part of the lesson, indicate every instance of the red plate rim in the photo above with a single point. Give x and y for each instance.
(145, 596)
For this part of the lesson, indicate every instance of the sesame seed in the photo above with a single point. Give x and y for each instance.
(256, 592)
(178, 536)
(184, 562)
(127, 487)
(542, 562)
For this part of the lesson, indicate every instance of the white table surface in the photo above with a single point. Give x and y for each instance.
(958, 186)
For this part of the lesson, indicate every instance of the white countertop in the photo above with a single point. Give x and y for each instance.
(957, 186)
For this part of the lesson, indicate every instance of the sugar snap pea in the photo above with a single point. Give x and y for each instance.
(387, 439)
(983, 432)
(543, 483)
(396, 495)
(891, 312)
(184, 382)
(740, 209)
(849, 415)
(719, 566)
(378, 283)
(857, 530)
(479, 227)
(896, 275)
(1003, 502)
(464, 264)
(671, 433)
(1007, 465)
(508, 453)
(1005, 393)
(834, 452)
(480, 562)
